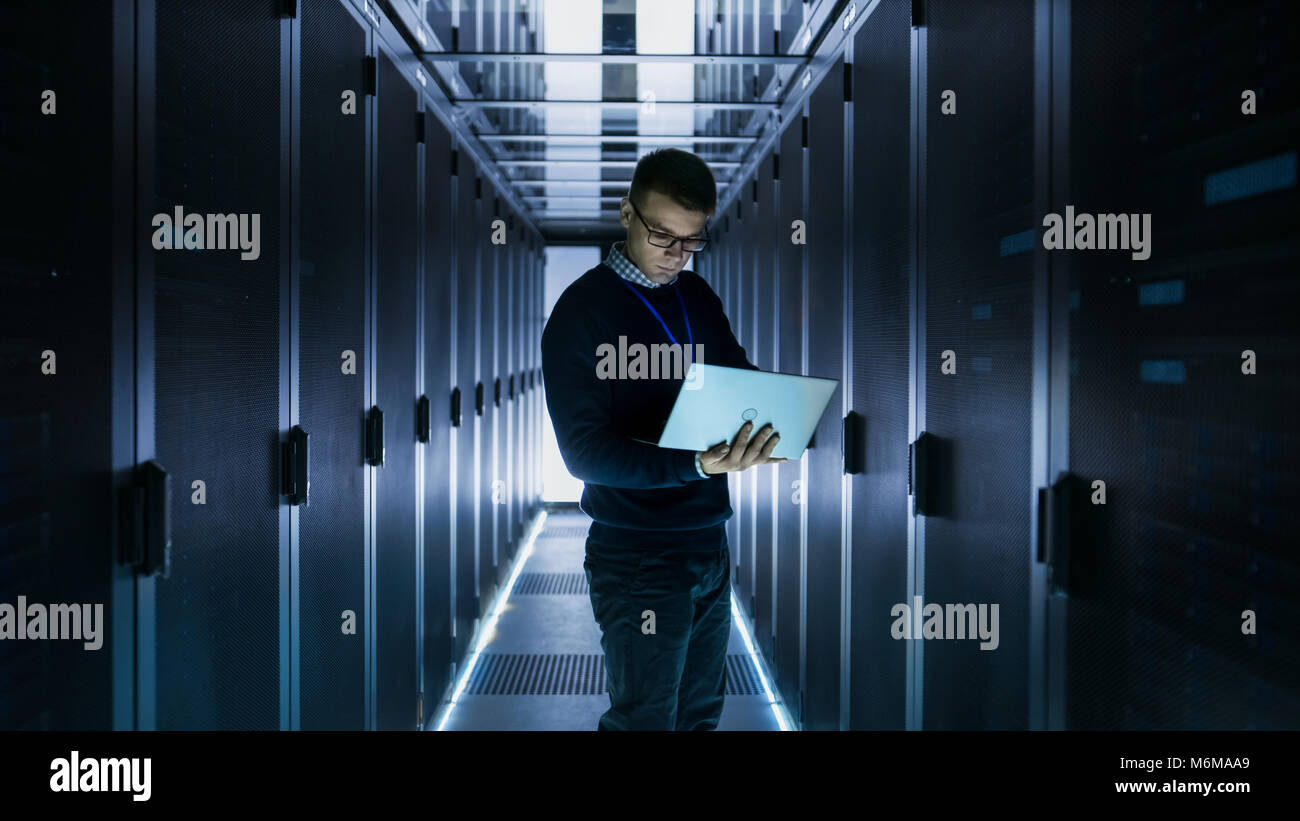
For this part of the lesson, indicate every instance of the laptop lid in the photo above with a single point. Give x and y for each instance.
(714, 401)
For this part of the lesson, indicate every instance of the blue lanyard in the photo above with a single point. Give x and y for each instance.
(641, 297)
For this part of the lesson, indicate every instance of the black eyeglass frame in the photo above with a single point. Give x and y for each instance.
(676, 239)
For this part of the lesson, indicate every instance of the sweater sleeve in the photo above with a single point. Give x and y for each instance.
(581, 409)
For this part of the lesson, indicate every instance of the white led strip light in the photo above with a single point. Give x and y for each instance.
(488, 626)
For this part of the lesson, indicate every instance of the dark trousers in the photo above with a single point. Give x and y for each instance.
(673, 678)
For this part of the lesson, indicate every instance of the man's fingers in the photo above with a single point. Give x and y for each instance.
(742, 436)
(756, 445)
(716, 453)
(744, 452)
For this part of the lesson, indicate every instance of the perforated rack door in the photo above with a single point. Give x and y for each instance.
(978, 292)
(793, 200)
(762, 352)
(1197, 457)
(217, 337)
(397, 229)
(881, 279)
(439, 300)
(825, 316)
(333, 274)
(57, 409)
(468, 320)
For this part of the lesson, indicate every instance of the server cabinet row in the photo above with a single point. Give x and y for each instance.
(1066, 449)
(271, 382)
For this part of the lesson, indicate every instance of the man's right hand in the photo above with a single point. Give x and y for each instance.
(743, 452)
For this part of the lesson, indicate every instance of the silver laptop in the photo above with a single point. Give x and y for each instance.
(715, 401)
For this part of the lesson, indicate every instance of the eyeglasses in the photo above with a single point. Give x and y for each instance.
(661, 239)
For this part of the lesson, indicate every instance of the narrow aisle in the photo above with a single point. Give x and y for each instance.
(542, 667)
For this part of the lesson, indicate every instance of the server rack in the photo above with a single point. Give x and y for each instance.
(228, 399)
(211, 632)
(332, 44)
(742, 327)
(513, 337)
(530, 488)
(825, 334)
(471, 385)
(792, 194)
(735, 249)
(440, 470)
(978, 315)
(393, 440)
(876, 435)
(66, 435)
(1194, 455)
(763, 353)
(489, 375)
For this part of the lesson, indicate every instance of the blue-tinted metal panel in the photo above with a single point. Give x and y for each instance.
(218, 323)
(397, 229)
(762, 348)
(1196, 527)
(439, 298)
(332, 292)
(64, 393)
(979, 180)
(824, 462)
(468, 321)
(788, 638)
(881, 78)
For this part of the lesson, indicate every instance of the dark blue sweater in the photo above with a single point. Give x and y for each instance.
(631, 485)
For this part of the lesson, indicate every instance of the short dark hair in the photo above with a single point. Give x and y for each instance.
(678, 174)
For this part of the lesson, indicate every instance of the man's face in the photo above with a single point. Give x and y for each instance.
(663, 214)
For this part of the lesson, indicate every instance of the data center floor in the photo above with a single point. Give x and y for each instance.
(543, 669)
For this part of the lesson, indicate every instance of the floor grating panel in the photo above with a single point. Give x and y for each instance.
(563, 532)
(551, 584)
(573, 674)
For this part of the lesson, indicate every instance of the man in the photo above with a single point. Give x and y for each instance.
(657, 560)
